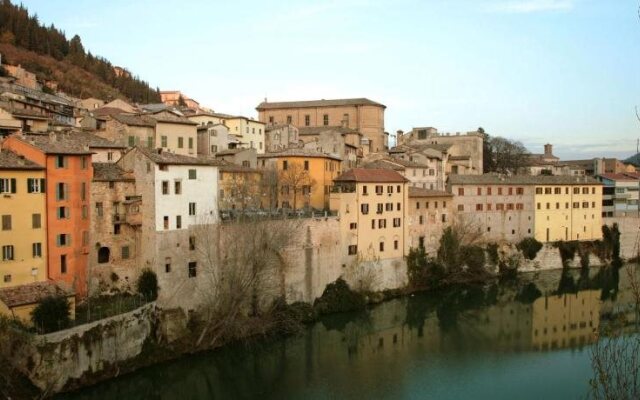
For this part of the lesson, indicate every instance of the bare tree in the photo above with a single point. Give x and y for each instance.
(241, 270)
(269, 187)
(241, 190)
(295, 180)
(504, 155)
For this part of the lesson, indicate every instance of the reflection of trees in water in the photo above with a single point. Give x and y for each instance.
(607, 279)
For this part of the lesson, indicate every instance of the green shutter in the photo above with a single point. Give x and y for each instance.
(43, 188)
(29, 185)
(13, 185)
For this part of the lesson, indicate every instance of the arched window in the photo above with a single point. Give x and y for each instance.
(103, 255)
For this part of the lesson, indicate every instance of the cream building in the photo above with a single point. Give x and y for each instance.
(372, 206)
(175, 133)
(430, 212)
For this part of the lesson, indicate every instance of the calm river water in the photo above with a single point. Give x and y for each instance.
(529, 340)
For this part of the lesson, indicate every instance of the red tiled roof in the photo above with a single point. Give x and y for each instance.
(422, 192)
(371, 175)
(30, 293)
(624, 176)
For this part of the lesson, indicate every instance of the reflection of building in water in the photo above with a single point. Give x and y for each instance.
(565, 321)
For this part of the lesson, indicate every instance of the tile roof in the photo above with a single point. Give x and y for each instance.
(422, 192)
(56, 143)
(316, 130)
(168, 117)
(168, 158)
(265, 105)
(31, 293)
(231, 167)
(135, 120)
(383, 164)
(108, 172)
(624, 176)
(10, 160)
(490, 179)
(298, 153)
(107, 111)
(371, 175)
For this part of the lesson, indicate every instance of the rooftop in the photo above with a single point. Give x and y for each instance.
(624, 176)
(109, 172)
(11, 160)
(371, 176)
(421, 192)
(31, 293)
(168, 158)
(135, 120)
(265, 105)
(231, 167)
(491, 179)
(57, 143)
(170, 117)
(298, 153)
(316, 130)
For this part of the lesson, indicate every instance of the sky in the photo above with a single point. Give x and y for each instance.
(564, 72)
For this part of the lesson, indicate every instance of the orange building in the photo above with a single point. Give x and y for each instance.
(68, 174)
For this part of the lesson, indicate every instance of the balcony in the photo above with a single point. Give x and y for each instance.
(134, 219)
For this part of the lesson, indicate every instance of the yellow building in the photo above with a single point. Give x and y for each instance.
(19, 301)
(240, 187)
(568, 208)
(372, 205)
(250, 133)
(302, 178)
(23, 238)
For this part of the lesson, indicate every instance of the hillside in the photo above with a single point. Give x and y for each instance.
(47, 52)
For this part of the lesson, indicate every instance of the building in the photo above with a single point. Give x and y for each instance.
(213, 138)
(419, 175)
(242, 157)
(68, 175)
(22, 76)
(620, 194)
(175, 98)
(115, 227)
(372, 206)
(510, 208)
(434, 156)
(130, 130)
(23, 233)
(19, 301)
(302, 178)
(91, 103)
(249, 133)
(175, 132)
(465, 151)
(430, 212)
(280, 137)
(240, 187)
(178, 195)
(362, 115)
(342, 142)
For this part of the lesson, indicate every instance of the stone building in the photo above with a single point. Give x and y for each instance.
(465, 150)
(179, 196)
(362, 115)
(115, 227)
(240, 187)
(419, 175)
(430, 212)
(280, 137)
(213, 138)
(342, 142)
(243, 157)
(175, 132)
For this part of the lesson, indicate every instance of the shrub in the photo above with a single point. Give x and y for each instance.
(529, 247)
(51, 314)
(473, 257)
(417, 266)
(529, 293)
(148, 285)
(114, 277)
(567, 251)
(492, 250)
(449, 250)
(338, 297)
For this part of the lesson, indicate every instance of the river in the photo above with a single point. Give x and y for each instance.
(524, 340)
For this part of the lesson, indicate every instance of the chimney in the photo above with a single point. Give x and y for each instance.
(548, 150)
(400, 132)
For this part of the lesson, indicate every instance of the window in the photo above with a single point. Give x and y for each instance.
(396, 222)
(382, 223)
(488, 191)
(479, 191)
(499, 191)
(35, 185)
(271, 119)
(7, 253)
(214, 148)
(519, 191)
(61, 191)
(460, 191)
(180, 142)
(510, 207)
(352, 249)
(417, 205)
(353, 225)
(177, 187)
(380, 208)
(132, 141)
(116, 229)
(379, 189)
(285, 165)
(85, 212)
(63, 264)
(289, 119)
(395, 245)
(163, 141)
(125, 252)
(63, 239)
(36, 221)
(109, 156)
(7, 278)
(178, 221)
(61, 162)
(388, 207)
(364, 208)
(85, 238)
(397, 206)
(307, 120)
(7, 185)
(381, 246)
(193, 269)
(6, 222)
(325, 120)
(192, 242)
(398, 188)
(165, 222)
(306, 165)
(547, 190)
(190, 143)
(585, 204)
(460, 207)
(373, 224)
(500, 207)
(63, 212)
(193, 174)
(478, 207)
(192, 208)
(389, 189)
(557, 190)
(576, 190)
(165, 187)
(167, 265)
(364, 190)
(150, 142)
(99, 209)
(83, 191)
(421, 220)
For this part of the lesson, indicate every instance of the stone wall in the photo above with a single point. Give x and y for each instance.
(57, 360)
(630, 234)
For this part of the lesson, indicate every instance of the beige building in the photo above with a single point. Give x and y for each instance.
(419, 175)
(342, 142)
(176, 133)
(362, 115)
(430, 212)
(372, 206)
(213, 138)
(280, 137)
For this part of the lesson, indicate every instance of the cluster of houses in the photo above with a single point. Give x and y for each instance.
(92, 192)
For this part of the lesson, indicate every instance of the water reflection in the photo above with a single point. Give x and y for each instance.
(410, 347)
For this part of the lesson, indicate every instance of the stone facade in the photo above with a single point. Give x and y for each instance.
(430, 212)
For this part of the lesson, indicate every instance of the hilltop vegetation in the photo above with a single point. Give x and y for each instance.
(47, 52)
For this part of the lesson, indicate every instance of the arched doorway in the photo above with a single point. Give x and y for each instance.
(103, 255)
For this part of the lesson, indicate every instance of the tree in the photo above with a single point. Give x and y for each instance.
(269, 187)
(51, 314)
(241, 189)
(181, 102)
(295, 180)
(503, 155)
(147, 285)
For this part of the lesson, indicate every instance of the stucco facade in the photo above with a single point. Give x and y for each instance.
(430, 212)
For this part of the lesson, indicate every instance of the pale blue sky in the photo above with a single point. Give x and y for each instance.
(559, 71)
